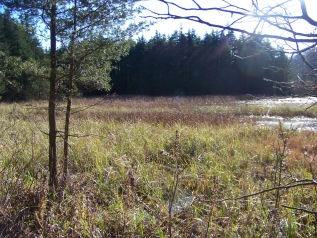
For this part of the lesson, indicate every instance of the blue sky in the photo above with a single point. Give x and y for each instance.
(167, 27)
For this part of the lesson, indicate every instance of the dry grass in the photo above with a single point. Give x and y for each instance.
(129, 179)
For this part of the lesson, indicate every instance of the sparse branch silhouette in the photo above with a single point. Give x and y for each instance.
(276, 16)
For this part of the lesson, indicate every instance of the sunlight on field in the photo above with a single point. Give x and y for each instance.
(153, 166)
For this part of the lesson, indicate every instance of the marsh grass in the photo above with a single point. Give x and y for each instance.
(132, 175)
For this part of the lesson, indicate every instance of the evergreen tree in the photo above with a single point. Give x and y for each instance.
(84, 28)
(21, 70)
(184, 64)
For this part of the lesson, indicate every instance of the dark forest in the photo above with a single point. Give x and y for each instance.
(185, 64)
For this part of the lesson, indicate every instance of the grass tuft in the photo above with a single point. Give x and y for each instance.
(157, 167)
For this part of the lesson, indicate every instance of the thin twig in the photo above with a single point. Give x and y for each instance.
(300, 209)
(298, 184)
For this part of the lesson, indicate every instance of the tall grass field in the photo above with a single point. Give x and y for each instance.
(159, 167)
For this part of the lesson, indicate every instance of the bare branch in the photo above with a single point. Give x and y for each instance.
(300, 209)
(305, 14)
(230, 28)
(270, 16)
(299, 183)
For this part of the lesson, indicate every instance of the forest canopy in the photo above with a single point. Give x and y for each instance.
(22, 64)
(184, 63)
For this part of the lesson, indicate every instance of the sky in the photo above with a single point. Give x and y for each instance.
(169, 26)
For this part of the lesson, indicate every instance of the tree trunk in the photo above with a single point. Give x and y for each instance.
(66, 133)
(52, 106)
(70, 83)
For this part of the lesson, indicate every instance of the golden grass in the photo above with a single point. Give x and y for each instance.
(124, 166)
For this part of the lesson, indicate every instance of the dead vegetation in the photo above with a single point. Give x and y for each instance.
(158, 168)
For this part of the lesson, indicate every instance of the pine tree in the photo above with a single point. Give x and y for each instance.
(89, 23)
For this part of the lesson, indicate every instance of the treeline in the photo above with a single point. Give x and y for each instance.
(180, 64)
(22, 61)
(185, 64)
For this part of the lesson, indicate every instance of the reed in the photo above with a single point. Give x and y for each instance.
(132, 175)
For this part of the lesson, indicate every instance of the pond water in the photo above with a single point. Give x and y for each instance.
(299, 123)
(274, 102)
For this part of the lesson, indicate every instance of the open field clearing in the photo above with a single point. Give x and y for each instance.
(161, 167)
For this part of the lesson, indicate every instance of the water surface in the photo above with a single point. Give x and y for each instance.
(299, 123)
